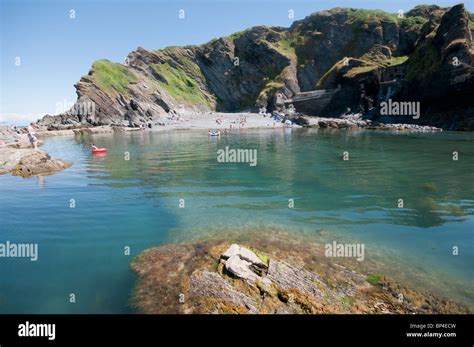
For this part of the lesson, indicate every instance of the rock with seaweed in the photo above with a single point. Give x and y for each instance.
(260, 274)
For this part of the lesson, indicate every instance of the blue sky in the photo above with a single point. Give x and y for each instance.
(56, 50)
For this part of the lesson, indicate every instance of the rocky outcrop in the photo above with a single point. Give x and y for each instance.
(440, 73)
(356, 121)
(277, 274)
(352, 49)
(19, 158)
(28, 162)
(333, 35)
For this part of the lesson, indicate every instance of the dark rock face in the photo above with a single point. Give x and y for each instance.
(264, 66)
(426, 11)
(332, 35)
(440, 73)
(238, 70)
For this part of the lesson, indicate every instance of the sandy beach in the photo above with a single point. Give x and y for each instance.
(218, 120)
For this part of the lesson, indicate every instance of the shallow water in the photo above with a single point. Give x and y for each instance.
(135, 203)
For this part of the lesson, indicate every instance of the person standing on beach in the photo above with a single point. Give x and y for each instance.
(32, 135)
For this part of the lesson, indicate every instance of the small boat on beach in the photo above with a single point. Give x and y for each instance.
(214, 133)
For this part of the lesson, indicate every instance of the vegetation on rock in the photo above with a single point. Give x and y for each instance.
(179, 85)
(294, 276)
(288, 43)
(369, 16)
(374, 279)
(414, 23)
(112, 76)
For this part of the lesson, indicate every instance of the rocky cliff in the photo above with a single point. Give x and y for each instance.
(353, 50)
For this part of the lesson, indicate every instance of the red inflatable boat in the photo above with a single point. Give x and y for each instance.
(99, 150)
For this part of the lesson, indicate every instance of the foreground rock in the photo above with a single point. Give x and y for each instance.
(28, 162)
(284, 277)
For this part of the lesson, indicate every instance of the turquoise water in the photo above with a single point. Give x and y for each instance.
(135, 203)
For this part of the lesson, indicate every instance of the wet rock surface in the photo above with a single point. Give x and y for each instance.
(278, 275)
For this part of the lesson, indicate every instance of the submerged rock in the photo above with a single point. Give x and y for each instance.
(294, 277)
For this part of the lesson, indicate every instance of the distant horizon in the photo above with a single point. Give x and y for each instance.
(57, 42)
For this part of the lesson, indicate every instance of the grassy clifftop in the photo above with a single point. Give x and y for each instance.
(112, 76)
(370, 16)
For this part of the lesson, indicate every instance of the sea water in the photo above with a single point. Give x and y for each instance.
(153, 188)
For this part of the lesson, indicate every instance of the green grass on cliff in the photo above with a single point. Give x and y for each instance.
(191, 66)
(286, 47)
(395, 61)
(237, 34)
(413, 23)
(372, 65)
(179, 85)
(180, 57)
(382, 60)
(288, 43)
(112, 76)
(360, 70)
(369, 62)
(367, 16)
